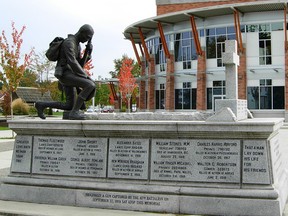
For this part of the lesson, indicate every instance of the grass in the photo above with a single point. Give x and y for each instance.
(4, 128)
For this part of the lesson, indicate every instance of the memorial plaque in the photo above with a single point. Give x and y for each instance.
(129, 201)
(70, 156)
(21, 159)
(128, 158)
(196, 160)
(255, 162)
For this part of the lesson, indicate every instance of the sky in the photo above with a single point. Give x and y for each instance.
(44, 20)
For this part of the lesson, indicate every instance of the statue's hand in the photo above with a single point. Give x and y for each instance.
(89, 47)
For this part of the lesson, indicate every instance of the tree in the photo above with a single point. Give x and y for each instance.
(102, 95)
(12, 70)
(42, 66)
(127, 82)
(118, 64)
(29, 79)
(88, 65)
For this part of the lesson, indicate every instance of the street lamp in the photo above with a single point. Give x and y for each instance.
(129, 97)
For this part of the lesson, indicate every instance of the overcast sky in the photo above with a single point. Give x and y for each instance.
(47, 19)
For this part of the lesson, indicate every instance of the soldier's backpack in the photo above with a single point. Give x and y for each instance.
(53, 51)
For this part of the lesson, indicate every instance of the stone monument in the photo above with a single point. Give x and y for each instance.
(231, 166)
(231, 108)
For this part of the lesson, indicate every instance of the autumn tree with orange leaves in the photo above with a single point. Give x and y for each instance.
(88, 66)
(12, 64)
(127, 82)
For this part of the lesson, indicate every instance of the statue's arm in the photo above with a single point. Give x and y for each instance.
(71, 57)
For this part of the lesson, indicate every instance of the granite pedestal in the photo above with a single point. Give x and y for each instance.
(181, 167)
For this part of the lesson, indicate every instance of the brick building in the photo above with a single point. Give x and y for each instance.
(180, 51)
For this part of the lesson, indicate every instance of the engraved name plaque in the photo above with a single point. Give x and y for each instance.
(196, 160)
(255, 162)
(21, 159)
(70, 156)
(128, 158)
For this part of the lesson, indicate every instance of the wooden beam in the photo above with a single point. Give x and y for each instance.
(113, 91)
(135, 49)
(141, 49)
(147, 55)
(199, 50)
(163, 40)
(238, 31)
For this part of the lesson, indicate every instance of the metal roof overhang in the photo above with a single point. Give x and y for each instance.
(150, 24)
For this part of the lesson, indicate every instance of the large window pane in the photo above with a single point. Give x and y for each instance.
(209, 98)
(268, 47)
(278, 97)
(211, 47)
(186, 99)
(162, 99)
(178, 98)
(265, 98)
(277, 26)
(253, 97)
(157, 99)
(194, 98)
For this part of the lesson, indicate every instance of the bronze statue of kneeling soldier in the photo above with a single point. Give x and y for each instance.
(70, 73)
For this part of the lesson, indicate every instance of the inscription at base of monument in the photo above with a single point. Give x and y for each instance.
(70, 156)
(128, 158)
(21, 159)
(196, 160)
(255, 162)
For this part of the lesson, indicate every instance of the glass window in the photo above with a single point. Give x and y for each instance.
(157, 99)
(194, 98)
(277, 26)
(215, 45)
(201, 32)
(231, 30)
(210, 32)
(265, 49)
(265, 35)
(185, 50)
(178, 98)
(252, 28)
(221, 31)
(278, 97)
(186, 85)
(209, 98)
(264, 27)
(185, 98)
(266, 96)
(211, 47)
(253, 97)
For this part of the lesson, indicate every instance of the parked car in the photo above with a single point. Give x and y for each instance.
(107, 109)
(90, 109)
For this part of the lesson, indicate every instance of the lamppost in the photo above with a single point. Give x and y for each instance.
(129, 97)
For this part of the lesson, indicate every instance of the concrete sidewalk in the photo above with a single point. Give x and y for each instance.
(9, 208)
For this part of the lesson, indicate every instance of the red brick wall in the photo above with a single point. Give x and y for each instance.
(163, 9)
(242, 77)
(170, 83)
(142, 99)
(151, 85)
(201, 83)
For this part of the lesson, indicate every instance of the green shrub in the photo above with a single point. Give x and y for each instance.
(20, 107)
(32, 111)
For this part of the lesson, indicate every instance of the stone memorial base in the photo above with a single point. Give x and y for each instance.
(181, 167)
(237, 106)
